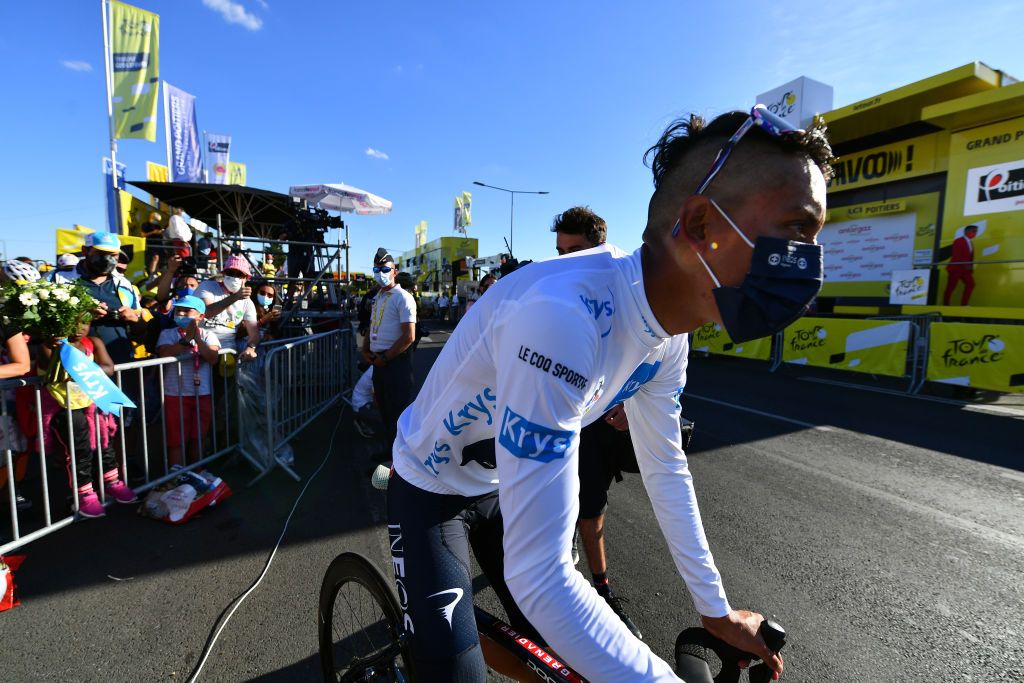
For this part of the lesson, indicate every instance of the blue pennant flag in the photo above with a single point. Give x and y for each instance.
(92, 380)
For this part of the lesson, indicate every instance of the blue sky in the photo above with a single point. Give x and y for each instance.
(556, 96)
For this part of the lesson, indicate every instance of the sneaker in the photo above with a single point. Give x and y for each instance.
(364, 429)
(121, 493)
(89, 505)
(576, 546)
(616, 602)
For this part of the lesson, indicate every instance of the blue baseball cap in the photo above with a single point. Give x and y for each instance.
(193, 302)
(106, 241)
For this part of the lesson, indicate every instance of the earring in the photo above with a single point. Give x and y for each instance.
(714, 246)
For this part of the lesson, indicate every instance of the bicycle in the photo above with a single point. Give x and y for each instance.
(386, 659)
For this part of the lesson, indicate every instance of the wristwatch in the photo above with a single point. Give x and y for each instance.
(187, 342)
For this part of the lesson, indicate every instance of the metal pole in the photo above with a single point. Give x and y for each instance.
(511, 222)
(110, 105)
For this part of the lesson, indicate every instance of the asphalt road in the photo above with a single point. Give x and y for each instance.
(886, 533)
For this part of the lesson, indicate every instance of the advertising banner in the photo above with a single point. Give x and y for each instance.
(184, 154)
(218, 151)
(868, 249)
(884, 164)
(798, 101)
(457, 217)
(985, 189)
(134, 59)
(910, 287)
(158, 173)
(974, 355)
(236, 173)
(712, 338)
(877, 347)
(110, 187)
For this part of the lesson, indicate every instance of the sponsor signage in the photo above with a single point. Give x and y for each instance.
(909, 287)
(984, 356)
(884, 164)
(712, 338)
(994, 189)
(868, 250)
(871, 346)
(798, 101)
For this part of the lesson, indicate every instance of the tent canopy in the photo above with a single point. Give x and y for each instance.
(243, 210)
(342, 197)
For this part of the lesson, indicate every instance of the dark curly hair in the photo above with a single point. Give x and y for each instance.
(685, 151)
(580, 220)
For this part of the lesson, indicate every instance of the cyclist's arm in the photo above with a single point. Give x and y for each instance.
(537, 424)
(653, 414)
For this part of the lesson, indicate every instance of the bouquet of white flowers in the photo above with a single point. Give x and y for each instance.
(45, 309)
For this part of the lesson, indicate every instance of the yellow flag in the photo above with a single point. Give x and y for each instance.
(467, 206)
(156, 172)
(134, 59)
(236, 173)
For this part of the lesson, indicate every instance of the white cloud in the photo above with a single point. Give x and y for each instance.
(264, 4)
(234, 13)
(376, 154)
(76, 65)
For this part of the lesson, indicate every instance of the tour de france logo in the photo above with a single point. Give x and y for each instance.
(785, 106)
(909, 286)
(812, 338)
(961, 353)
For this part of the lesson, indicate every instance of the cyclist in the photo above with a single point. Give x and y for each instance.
(551, 349)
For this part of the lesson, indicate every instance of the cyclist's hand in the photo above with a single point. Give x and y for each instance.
(616, 417)
(739, 629)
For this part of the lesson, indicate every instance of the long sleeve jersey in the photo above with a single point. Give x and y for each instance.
(547, 351)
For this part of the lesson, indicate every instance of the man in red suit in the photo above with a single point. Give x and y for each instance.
(961, 266)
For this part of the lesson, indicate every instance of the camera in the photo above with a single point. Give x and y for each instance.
(188, 266)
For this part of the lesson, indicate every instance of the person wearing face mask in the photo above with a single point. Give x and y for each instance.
(386, 346)
(230, 308)
(118, 318)
(188, 394)
(268, 311)
(174, 283)
(730, 238)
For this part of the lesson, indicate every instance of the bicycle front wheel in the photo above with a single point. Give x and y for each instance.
(360, 625)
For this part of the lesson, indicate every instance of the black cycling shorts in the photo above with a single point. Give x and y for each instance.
(430, 535)
(597, 469)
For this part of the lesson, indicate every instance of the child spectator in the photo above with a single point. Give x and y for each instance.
(268, 312)
(187, 392)
(90, 429)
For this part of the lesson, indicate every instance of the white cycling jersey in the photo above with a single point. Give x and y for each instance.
(548, 350)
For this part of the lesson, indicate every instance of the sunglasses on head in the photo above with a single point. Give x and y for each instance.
(382, 269)
(774, 125)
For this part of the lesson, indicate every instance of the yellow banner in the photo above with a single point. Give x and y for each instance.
(884, 164)
(156, 173)
(974, 355)
(711, 338)
(236, 173)
(134, 59)
(846, 213)
(877, 347)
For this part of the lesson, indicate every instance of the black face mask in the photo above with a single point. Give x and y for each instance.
(784, 278)
(101, 264)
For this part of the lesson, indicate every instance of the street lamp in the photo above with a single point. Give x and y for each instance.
(512, 211)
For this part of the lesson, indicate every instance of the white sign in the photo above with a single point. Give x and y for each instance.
(798, 101)
(868, 250)
(995, 189)
(909, 287)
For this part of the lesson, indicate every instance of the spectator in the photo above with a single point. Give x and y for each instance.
(442, 305)
(365, 308)
(454, 306)
(117, 319)
(66, 409)
(392, 331)
(485, 283)
(179, 234)
(65, 268)
(188, 385)
(229, 307)
(154, 234)
(578, 229)
(268, 311)
(206, 253)
(15, 361)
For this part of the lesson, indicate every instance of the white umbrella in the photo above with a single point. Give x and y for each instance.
(342, 197)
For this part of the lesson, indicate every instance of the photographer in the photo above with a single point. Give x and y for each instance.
(118, 318)
(229, 306)
(180, 279)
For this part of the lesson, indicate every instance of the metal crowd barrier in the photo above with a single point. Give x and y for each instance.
(302, 378)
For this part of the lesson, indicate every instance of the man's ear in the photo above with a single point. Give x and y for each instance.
(693, 222)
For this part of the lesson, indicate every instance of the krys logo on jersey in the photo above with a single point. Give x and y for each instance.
(960, 353)
(477, 408)
(531, 441)
(641, 376)
(602, 310)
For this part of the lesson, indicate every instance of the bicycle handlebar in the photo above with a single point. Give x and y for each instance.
(692, 662)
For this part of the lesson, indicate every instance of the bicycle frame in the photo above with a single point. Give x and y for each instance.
(546, 666)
